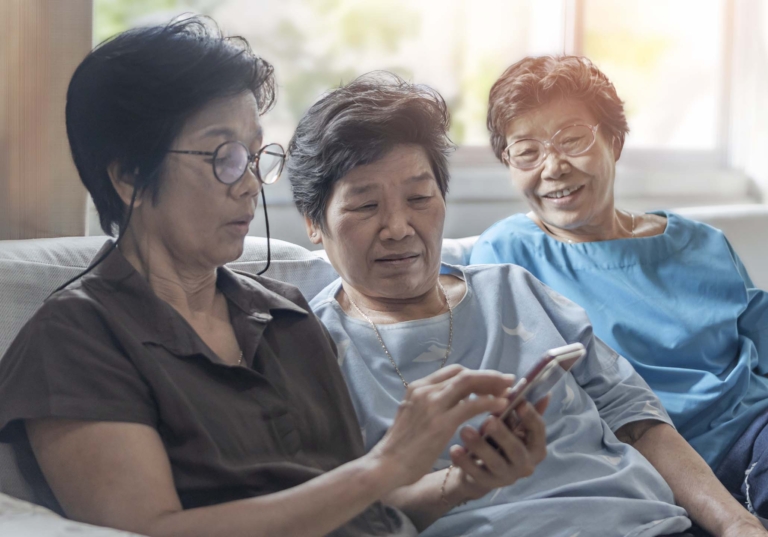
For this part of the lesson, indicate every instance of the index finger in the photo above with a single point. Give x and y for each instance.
(439, 376)
(475, 382)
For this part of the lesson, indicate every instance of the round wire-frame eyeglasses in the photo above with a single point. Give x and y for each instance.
(231, 159)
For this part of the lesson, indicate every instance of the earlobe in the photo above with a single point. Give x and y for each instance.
(124, 183)
(313, 231)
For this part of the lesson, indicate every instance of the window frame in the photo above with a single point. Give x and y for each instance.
(641, 172)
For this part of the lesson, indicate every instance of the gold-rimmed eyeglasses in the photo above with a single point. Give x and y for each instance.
(571, 141)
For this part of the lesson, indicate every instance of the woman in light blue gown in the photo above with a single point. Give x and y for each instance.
(667, 293)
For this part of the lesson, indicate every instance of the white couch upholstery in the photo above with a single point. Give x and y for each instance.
(31, 270)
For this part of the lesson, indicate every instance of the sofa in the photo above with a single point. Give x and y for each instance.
(31, 269)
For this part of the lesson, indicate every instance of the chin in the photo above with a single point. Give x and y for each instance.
(227, 251)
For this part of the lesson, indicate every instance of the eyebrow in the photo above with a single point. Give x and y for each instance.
(226, 132)
(363, 189)
(570, 120)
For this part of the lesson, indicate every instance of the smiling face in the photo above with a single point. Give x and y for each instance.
(569, 193)
(198, 219)
(384, 226)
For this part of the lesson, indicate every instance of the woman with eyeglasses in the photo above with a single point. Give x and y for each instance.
(667, 293)
(164, 394)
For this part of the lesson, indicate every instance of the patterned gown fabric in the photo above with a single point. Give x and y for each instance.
(590, 484)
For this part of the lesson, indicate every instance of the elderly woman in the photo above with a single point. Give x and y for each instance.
(167, 395)
(669, 294)
(369, 173)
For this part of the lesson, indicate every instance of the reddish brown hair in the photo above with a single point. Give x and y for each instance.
(534, 81)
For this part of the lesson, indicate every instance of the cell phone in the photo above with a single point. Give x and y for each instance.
(540, 380)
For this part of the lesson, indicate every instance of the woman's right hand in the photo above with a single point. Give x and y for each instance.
(433, 408)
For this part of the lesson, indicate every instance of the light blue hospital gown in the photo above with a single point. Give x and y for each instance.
(679, 306)
(590, 484)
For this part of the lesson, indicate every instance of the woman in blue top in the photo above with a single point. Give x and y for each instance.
(667, 293)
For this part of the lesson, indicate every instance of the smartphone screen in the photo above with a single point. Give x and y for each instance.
(547, 372)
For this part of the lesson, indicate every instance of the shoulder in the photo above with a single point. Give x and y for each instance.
(517, 223)
(507, 278)
(513, 239)
(276, 292)
(501, 289)
(697, 237)
(323, 301)
(75, 306)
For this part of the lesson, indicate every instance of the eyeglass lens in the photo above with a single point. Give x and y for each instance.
(232, 158)
(571, 141)
(271, 162)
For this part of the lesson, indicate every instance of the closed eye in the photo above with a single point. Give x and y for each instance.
(418, 199)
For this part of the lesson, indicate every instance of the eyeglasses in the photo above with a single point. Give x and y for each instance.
(231, 160)
(571, 141)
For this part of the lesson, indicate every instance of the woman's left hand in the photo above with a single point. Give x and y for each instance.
(484, 467)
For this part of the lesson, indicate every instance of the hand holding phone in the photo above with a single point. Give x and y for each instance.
(540, 380)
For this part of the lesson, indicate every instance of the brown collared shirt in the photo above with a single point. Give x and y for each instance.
(108, 349)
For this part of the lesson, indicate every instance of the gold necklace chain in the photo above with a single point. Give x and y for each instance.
(569, 241)
(381, 341)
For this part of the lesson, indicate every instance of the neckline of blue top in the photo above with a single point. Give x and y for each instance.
(617, 253)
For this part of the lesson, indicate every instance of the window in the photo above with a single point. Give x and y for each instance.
(670, 62)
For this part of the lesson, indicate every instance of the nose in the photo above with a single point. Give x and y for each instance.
(249, 184)
(555, 165)
(395, 225)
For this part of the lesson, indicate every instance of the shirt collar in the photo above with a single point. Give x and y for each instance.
(153, 320)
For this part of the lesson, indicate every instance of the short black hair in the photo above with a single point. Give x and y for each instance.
(130, 97)
(358, 124)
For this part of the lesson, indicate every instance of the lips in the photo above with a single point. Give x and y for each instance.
(243, 220)
(563, 192)
(394, 258)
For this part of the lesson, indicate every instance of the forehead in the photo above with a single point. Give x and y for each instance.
(403, 166)
(545, 120)
(228, 118)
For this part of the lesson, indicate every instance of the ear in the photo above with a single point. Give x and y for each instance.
(616, 148)
(124, 183)
(314, 232)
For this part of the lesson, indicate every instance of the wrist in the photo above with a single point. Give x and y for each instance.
(384, 474)
(735, 528)
(457, 489)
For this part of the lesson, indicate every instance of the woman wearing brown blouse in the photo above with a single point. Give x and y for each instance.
(164, 394)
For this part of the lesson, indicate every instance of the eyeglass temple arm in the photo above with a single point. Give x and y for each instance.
(208, 153)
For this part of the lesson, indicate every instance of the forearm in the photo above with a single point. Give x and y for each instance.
(692, 482)
(312, 509)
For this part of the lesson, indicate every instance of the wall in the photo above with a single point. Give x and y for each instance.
(41, 43)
